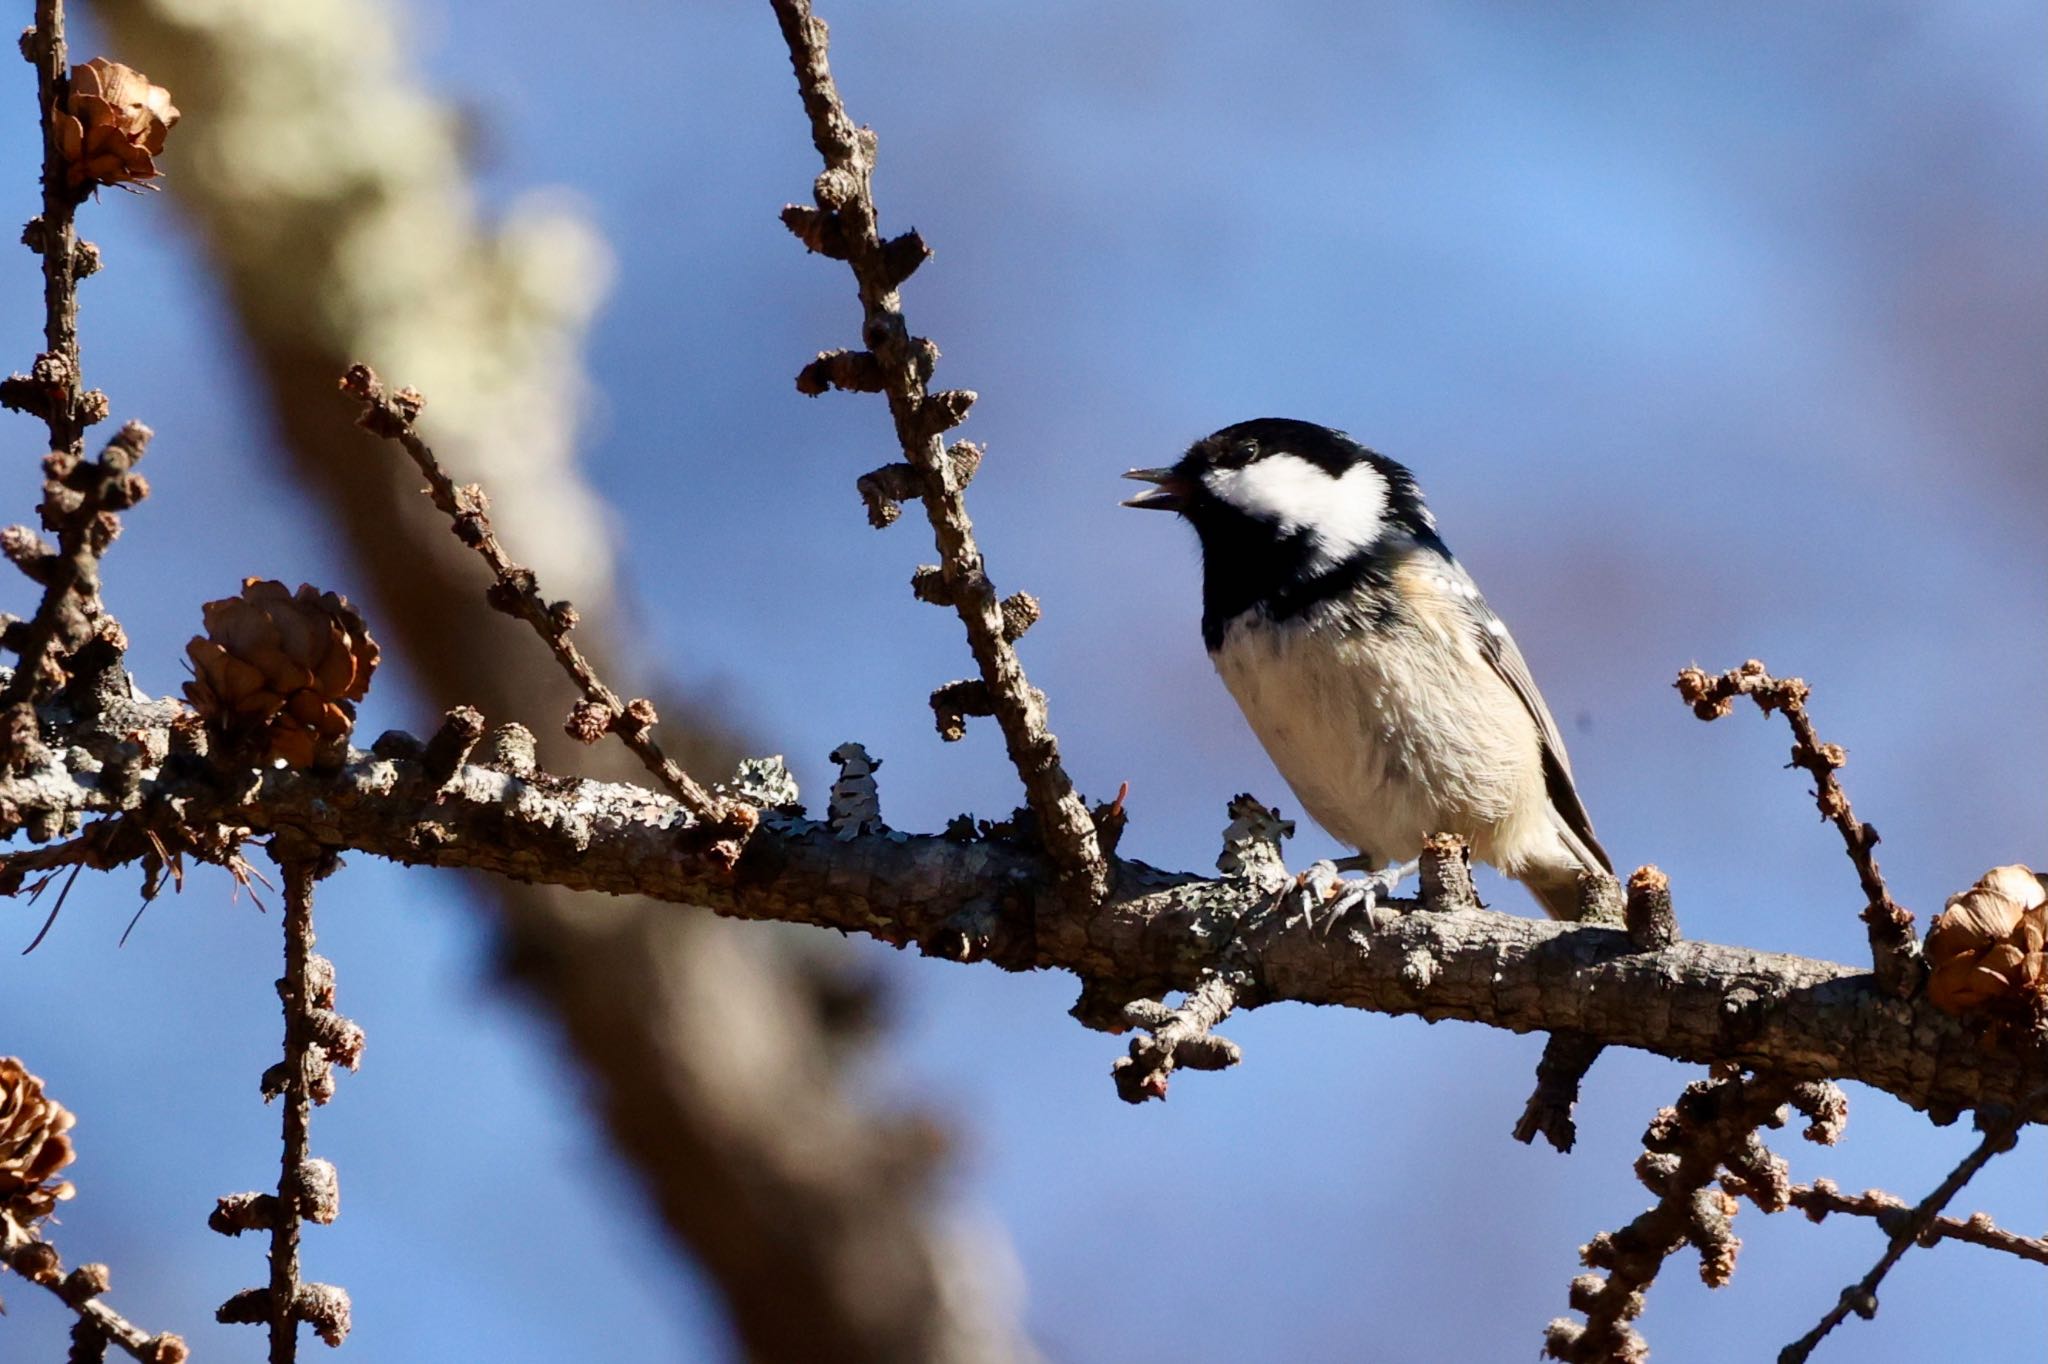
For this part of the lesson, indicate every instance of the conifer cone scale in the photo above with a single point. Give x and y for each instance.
(277, 674)
(113, 125)
(33, 1144)
(1988, 950)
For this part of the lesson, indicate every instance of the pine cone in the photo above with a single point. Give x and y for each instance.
(1986, 950)
(33, 1146)
(276, 675)
(114, 122)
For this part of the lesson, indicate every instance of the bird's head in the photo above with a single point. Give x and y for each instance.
(1273, 487)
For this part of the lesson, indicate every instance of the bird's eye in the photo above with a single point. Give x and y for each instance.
(1239, 455)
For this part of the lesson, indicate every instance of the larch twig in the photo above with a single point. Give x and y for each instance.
(1894, 950)
(843, 225)
(80, 499)
(515, 591)
(36, 1260)
(2001, 1131)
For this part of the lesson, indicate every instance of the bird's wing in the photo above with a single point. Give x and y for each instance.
(1497, 646)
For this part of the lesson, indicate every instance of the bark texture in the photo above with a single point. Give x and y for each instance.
(965, 898)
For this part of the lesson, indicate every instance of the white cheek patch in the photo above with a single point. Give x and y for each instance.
(1341, 515)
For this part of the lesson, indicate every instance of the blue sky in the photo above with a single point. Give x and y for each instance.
(1711, 332)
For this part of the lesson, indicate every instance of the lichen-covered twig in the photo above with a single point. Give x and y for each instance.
(315, 1040)
(1894, 949)
(897, 364)
(2001, 1131)
(1893, 1214)
(1158, 931)
(1180, 1037)
(37, 1260)
(515, 591)
(1713, 1124)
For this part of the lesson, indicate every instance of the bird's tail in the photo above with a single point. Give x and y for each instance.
(1556, 886)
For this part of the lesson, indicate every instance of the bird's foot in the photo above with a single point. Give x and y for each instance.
(1322, 890)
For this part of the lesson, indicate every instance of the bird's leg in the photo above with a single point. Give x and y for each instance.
(1322, 888)
(1389, 879)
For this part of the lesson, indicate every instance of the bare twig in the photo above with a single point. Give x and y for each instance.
(54, 236)
(2001, 1131)
(1567, 1056)
(80, 499)
(1894, 1214)
(515, 591)
(37, 1261)
(843, 225)
(80, 505)
(1711, 1125)
(315, 1038)
(1894, 949)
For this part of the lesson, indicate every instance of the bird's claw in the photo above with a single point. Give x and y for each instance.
(1322, 890)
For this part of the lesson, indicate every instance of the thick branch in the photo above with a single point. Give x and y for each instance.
(1156, 931)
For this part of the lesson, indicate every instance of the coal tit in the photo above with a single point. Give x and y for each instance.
(1392, 700)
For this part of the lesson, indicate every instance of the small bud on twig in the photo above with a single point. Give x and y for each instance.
(946, 409)
(1251, 842)
(884, 490)
(954, 702)
(850, 371)
(1020, 612)
(819, 230)
(450, 746)
(589, 721)
(928, 584)
(901, 256)
(1446, 873)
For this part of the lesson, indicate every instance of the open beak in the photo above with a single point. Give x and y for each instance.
(1169, 493)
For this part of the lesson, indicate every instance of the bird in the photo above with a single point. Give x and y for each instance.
(1388, 694)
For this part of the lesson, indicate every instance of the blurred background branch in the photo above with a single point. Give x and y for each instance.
(329, 191)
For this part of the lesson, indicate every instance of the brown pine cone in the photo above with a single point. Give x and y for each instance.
(1989, 949)
(33, 1146)
(112, 125)
(277, 675)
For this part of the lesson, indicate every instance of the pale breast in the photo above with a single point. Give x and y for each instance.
(1389, 736)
